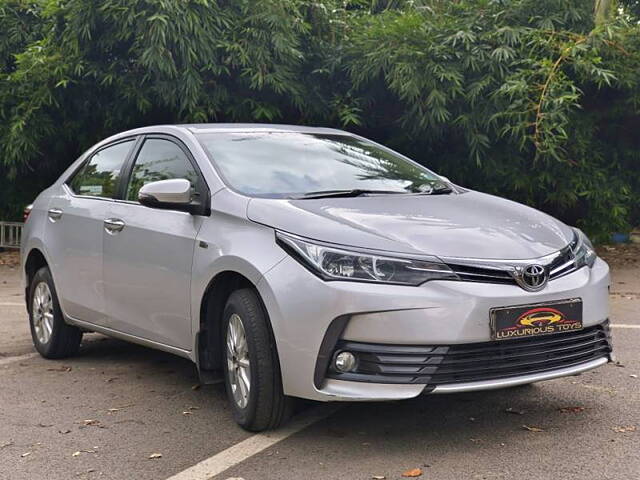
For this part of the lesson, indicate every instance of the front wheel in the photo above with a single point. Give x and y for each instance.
(251, 366)
(52, 337)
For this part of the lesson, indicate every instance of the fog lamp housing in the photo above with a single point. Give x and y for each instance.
(345, 362)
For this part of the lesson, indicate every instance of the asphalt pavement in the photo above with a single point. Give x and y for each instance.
(120, 411)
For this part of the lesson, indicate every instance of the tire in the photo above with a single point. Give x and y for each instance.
(264, 406)
(51, 335)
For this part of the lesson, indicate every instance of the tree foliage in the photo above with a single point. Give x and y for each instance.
(528, 99)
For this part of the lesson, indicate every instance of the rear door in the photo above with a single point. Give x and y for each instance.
(74, 231)
(148, 259)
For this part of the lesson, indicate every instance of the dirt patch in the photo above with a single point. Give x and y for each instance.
(10, 258)
(620, 255)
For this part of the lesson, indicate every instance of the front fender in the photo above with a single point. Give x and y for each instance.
(229, 242)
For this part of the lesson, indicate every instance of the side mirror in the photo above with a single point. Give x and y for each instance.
(173, 194)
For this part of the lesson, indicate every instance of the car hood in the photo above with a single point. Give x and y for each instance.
(469, 225)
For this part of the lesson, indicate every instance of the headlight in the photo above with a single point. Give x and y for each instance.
(337, 263)
(583, 251)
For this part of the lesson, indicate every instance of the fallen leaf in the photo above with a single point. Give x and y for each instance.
(64, 432)
(193, 408)
(514, 411)
(77, 454)
(113, 410)
(92, 423)
(63, 368)
(618, 364)
(187, 413)
(45, 425)
(572, 409)
(633, 376)
(533, 429)
(8, 444)
(155, 455)
(416, 472)
(378, 477)
(26, 454)
(630, 428)
(196, 387)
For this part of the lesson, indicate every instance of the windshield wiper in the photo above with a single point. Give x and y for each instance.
(441, 190)
(354, 192)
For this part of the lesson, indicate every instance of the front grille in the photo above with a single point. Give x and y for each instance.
(449, 364)
(470, 273)
(563, 264)
(487, 272)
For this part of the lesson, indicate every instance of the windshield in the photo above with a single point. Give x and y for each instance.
(292, 164)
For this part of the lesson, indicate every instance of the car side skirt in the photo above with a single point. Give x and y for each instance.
(129, 338)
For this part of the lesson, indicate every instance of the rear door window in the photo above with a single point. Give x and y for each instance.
(99, 176)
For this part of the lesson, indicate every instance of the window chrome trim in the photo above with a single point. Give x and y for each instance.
(70, 192)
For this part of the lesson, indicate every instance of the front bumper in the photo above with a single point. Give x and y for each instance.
(455, 367)
(310, 317)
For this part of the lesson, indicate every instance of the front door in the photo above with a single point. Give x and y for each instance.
(74, 232)
(148, 253)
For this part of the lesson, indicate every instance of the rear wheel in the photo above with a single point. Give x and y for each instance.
(252, 370)
(52, 337)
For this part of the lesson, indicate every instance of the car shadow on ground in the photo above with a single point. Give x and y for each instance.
(470, 414)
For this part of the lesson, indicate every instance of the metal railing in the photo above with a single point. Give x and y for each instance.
(10, 234)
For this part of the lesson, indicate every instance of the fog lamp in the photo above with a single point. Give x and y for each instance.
(345, 362)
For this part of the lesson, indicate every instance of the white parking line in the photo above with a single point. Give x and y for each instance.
(253, 445)
(624, 325)
(27, 356)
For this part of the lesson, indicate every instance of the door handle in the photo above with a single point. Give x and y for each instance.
(113, 225)
(54, 214)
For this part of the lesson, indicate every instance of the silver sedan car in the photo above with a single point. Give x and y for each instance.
(311, 263)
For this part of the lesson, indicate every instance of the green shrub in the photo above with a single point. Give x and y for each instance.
(527, 99)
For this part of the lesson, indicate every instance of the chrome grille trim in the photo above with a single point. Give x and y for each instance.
(561, 269)
(558, 264)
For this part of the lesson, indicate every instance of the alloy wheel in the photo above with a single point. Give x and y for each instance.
(42, 311)
(238, 364)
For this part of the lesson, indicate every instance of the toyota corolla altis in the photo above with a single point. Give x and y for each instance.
(308, 262)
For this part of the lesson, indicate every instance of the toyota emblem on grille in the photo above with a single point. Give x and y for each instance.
(532, 277)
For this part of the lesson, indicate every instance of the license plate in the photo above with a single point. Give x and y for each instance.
(523, 321)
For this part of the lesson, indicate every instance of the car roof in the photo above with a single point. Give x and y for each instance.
(260, 127)
(219, 128)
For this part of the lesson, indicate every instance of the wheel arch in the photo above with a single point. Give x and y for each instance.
(34, 261)
(214, 299)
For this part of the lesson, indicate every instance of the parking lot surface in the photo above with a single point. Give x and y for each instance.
(120, 411)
